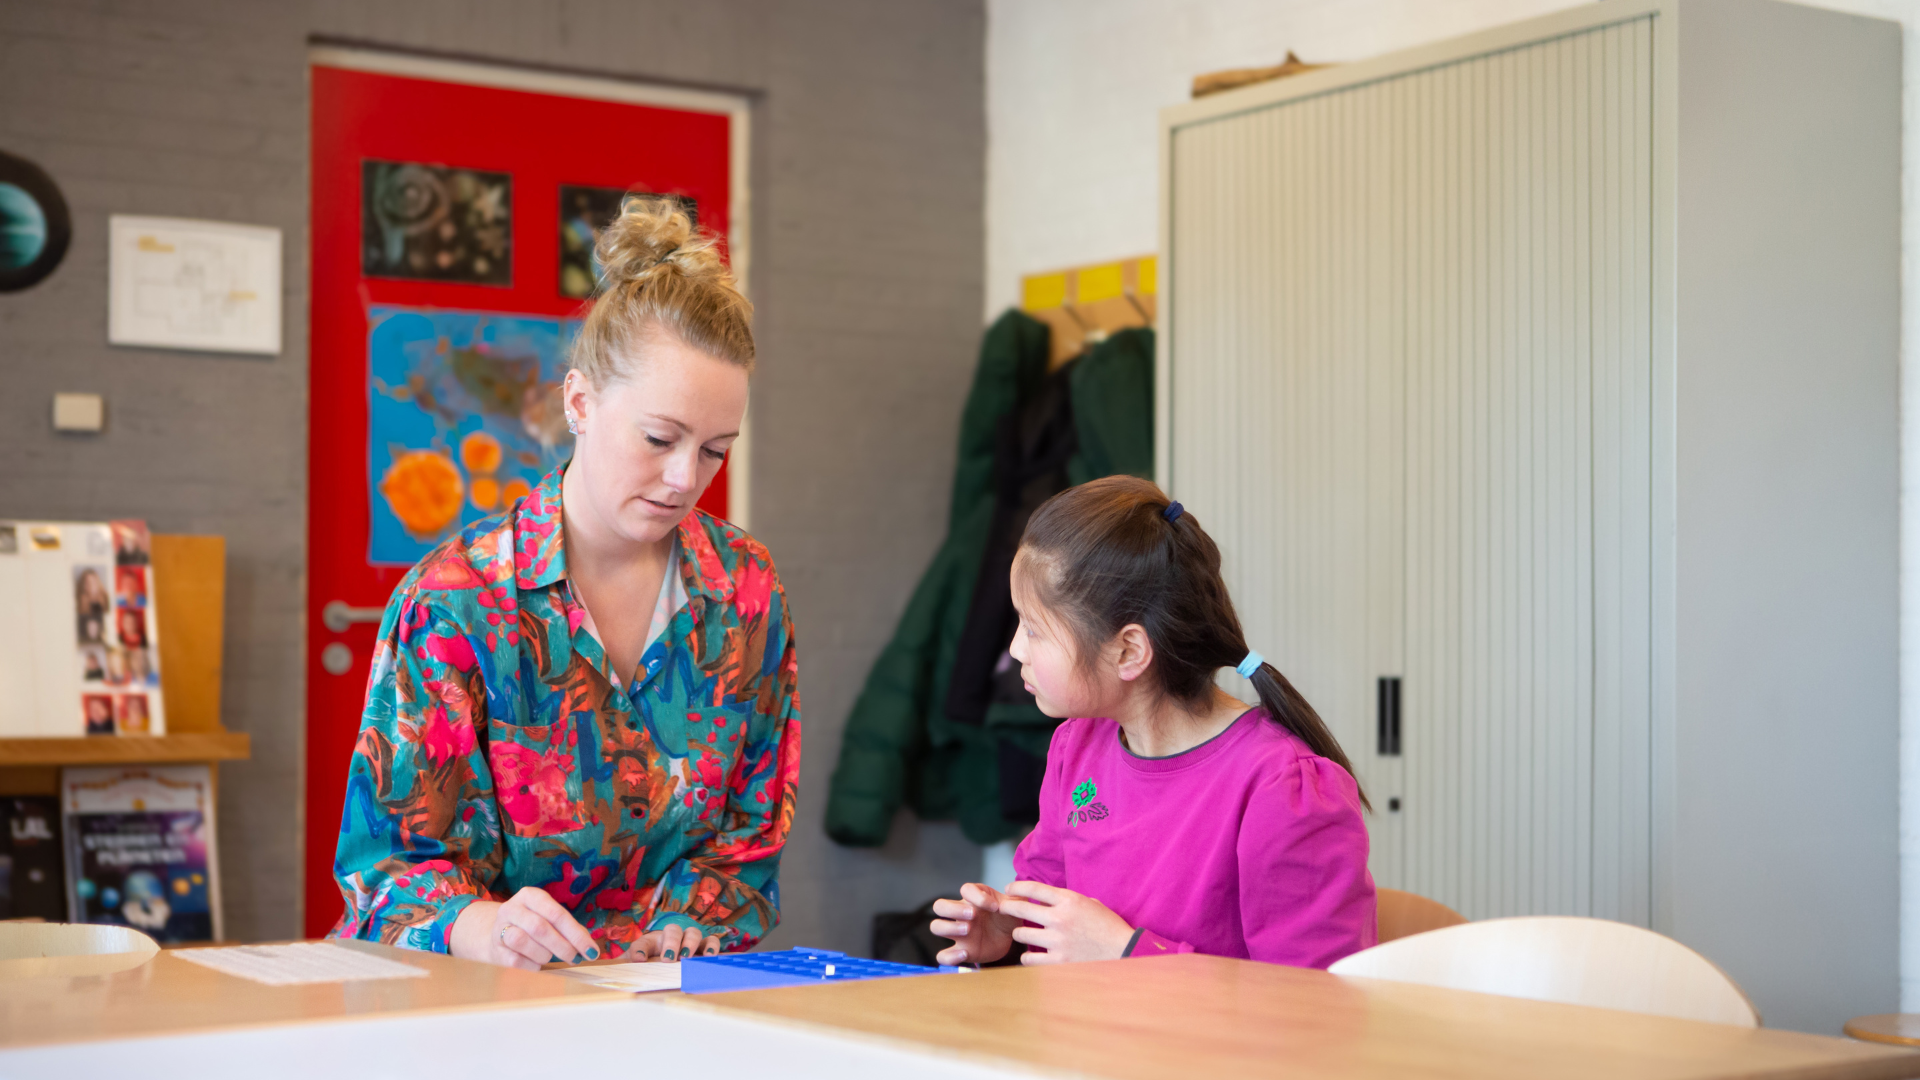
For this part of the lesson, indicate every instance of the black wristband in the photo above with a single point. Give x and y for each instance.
(1131, 942)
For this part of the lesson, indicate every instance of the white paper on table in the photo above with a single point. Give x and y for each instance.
(302, 962)
(633, 978)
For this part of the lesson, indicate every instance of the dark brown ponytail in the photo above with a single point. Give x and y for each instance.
(1105, 554)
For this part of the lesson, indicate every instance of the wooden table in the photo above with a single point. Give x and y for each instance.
(171, 996)
(1194, 1015)
(1900, 1029)
(1157, 1017)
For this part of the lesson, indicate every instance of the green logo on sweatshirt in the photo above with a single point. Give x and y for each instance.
(1084, 808)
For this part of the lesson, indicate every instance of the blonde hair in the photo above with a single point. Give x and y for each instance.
(661, 273)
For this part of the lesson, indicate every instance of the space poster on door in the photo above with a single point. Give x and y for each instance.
(463, 418)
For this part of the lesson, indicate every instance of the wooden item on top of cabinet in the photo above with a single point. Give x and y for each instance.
(1404, 914)
(1213, 82)
(1195, 1015)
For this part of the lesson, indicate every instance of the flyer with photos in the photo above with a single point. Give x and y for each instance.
(79, 632)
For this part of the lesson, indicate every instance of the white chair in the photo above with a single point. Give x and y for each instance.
(1594, 962)
(29, 949)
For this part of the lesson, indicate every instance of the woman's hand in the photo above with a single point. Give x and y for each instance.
(524, 932)
(980, 932)
(674, 943)
(1071, 927)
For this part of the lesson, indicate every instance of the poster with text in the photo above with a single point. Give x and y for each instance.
(140, 849)
(463, 418)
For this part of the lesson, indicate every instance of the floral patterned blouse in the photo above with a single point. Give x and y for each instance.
(498, 750)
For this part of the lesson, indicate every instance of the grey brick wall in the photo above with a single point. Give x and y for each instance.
(869, 160)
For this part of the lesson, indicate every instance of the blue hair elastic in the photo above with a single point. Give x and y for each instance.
(1173, 511)
(1250, 665)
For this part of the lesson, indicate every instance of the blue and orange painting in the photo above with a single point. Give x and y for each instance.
(463, 418)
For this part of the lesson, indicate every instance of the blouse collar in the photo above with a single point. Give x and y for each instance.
(540, 550)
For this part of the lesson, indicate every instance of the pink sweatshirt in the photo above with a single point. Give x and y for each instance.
(1248, 845)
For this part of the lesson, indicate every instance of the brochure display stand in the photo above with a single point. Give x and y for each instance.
(185, 578)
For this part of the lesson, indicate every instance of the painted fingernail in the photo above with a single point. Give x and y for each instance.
(684, 952)
(593, 954)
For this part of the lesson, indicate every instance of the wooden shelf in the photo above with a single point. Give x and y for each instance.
(127, 749)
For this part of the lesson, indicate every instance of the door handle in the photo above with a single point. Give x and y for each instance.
(1388, 716)
(339, 616)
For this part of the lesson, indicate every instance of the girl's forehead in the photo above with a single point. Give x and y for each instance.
(1021, 579)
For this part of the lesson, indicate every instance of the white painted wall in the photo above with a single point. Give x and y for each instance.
(1074, 89)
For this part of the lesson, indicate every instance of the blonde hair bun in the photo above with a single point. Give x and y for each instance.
(660, 272)
(655, 234)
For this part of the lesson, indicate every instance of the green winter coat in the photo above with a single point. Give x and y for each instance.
(899, 744)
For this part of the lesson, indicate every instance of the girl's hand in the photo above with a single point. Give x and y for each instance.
(674, 943)
(1072, 927)
(523, 932)
(980, 932)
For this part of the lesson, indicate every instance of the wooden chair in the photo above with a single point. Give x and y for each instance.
(1594, 962)
(1403, 914)
(29, 949)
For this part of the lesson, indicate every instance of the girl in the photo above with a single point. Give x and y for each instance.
(1173, 818)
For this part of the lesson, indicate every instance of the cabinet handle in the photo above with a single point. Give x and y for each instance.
(1388, 716)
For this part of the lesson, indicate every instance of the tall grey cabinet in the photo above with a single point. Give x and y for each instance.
(1552, 373)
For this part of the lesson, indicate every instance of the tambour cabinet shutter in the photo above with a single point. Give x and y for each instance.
(1510, 368)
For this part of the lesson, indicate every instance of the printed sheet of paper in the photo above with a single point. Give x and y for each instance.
(183, 284)
(633, 978)
(302, 962)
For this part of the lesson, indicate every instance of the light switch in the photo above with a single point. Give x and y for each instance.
(79, 412)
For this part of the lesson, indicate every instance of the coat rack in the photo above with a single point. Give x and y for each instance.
(1085, 304)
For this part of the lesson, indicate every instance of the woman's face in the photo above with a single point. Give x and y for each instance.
(651, 442)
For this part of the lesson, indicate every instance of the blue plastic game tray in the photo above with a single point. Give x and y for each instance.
(790, 967)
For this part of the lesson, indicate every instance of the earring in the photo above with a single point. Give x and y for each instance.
(573, 425)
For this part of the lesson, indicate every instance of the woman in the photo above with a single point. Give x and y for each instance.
(582, 731)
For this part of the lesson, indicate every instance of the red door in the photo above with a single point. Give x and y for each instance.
(451, 233)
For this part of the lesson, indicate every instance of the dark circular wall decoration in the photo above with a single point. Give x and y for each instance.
(34, 228)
